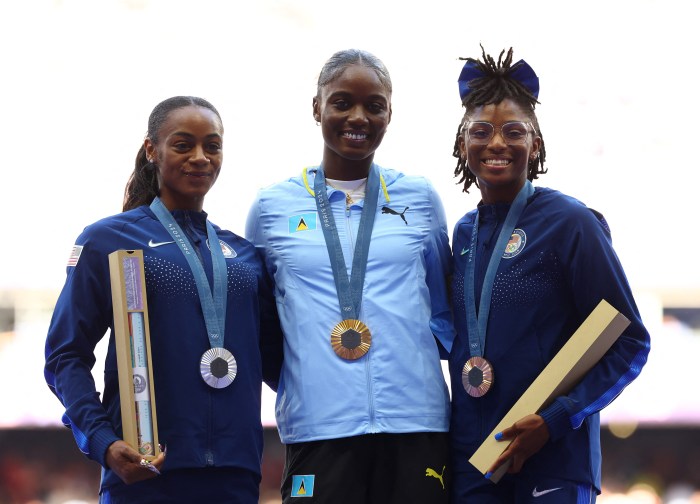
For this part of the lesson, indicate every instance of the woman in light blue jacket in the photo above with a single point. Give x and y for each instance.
(359, 255)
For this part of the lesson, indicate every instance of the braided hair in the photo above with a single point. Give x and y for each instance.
(142, 186)
(495, 86)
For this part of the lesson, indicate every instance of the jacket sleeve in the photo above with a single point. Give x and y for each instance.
(438, 268)
(594, 273)
(271, 339)
(80, 319)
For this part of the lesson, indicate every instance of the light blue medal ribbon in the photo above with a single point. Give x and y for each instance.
(477, 374)
(217, 366)
(350, 338)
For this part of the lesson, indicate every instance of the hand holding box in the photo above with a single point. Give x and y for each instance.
(580, 353)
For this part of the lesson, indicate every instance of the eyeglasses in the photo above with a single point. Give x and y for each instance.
(512, 133)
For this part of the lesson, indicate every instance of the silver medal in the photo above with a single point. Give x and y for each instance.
(218, 367)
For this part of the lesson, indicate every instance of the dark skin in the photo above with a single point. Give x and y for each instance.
(527, 436)
(189, 157)
(501, 170)
(354, 111)
(126, 462)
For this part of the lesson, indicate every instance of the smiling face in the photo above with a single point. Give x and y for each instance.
(188, 155)
(500, 169)
(354, 111)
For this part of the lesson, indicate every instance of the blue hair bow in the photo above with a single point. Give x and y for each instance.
(520, 71)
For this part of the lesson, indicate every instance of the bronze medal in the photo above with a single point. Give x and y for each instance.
(351, 339)
(477, 376)
(218, 367)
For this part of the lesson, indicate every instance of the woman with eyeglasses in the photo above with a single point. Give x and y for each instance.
(530, 264)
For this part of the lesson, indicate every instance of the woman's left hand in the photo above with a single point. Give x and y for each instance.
(528, 435)
(129, 465)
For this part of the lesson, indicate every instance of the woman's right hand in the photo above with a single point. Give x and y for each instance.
(126, 462)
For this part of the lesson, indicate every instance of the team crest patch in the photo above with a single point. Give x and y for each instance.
(75, 255)
(303, 485)
(229, 253)
(303, 222)
(516, 244)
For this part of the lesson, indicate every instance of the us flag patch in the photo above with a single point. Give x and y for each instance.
(75, 255)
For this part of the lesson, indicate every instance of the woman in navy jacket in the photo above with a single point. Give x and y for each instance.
(211, 428)
(530, 264)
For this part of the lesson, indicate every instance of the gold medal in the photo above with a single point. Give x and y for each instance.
(351, 339)
(477, 376)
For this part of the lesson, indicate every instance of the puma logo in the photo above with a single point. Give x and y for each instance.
(432, 473)
(387, 210)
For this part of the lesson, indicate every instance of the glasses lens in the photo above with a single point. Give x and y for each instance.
(514, 132)
(480, 132)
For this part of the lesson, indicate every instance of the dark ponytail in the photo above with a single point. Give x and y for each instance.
(142, 186)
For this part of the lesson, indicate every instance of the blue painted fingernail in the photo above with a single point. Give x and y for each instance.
(488, 475)
(499, 436)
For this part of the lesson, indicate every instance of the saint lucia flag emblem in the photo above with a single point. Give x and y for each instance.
(303, 485)
(303, 222)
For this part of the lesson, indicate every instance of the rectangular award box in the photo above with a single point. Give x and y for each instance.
(133, 346)
(583, 350)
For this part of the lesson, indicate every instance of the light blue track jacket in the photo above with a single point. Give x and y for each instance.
(398, 386)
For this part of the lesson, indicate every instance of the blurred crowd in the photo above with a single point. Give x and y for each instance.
(653, 466)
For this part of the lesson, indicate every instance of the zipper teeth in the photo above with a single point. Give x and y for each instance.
(368, 366)
(191, 233)
(209, 455)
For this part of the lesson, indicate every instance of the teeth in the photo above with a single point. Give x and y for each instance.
(355, 136)
(496, 162)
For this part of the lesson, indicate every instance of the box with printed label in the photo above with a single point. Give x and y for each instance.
(133, 346)
(580, 353)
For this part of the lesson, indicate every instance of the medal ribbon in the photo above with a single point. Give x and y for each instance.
(349, 290)
(477, 326)
(213, 306)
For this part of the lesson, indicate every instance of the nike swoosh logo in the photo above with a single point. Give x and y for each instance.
(540, 493)
(465, 250)
(153, 244)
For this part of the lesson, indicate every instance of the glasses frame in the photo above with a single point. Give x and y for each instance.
(530, 129)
